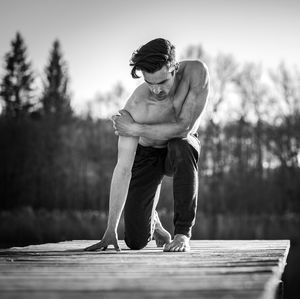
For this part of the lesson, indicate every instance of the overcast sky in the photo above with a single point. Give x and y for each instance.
(98, 37)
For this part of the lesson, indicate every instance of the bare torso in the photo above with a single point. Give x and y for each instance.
(146, 109)
(155, 113)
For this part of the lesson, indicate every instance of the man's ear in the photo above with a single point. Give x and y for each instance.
(175, 68)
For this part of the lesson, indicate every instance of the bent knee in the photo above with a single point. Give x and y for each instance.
(136, 244)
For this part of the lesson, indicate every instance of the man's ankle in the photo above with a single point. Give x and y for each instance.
(157, 223)
(182, 230)
(182, 236)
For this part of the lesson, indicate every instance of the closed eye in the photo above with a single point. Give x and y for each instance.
(159, 83)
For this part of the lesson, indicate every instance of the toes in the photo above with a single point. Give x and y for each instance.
(167, 247)
(171, 247)
(179, 248)
(175, 247)
(186, 248)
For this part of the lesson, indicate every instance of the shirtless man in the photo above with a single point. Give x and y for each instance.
(157, 136)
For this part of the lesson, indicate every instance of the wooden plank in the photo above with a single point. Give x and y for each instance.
(134, 295)
(213, 269)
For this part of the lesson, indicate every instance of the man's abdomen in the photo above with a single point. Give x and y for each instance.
(151, 142)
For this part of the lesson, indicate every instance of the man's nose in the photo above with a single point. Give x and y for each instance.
(156, 89)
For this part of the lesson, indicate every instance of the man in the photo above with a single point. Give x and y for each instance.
(157, 136)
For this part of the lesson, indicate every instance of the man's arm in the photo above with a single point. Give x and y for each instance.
(120, 179)
(191, 110)
(189, 114)
(118, 191)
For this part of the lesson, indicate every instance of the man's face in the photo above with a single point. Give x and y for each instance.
(160, 82)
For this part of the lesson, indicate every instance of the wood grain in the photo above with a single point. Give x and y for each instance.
(213, 269)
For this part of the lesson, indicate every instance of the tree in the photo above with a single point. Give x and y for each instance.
(195, 52)
(17, 84)
(254, 108)
(56, 98)
(106, 104)
(286, 143)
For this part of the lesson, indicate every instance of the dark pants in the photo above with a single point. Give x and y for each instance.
(179, 159)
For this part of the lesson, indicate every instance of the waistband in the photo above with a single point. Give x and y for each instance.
(154, 150)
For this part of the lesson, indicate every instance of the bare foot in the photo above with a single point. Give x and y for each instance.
(160, 235)
(181, 243)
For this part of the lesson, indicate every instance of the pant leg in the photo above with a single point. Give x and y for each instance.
(181, 161)
(147, 174)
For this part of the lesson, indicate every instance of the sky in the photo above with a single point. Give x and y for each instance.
(99, 36)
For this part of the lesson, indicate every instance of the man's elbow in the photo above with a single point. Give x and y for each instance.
(184, 129)
(124, 169)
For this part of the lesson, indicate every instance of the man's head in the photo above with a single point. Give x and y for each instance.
(156, 61)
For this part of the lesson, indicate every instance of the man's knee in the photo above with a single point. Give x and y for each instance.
(136, 243)
(137, 227)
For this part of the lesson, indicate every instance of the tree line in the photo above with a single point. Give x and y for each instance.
(51, 158)
(18, 84)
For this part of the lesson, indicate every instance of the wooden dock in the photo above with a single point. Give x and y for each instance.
(212, 269)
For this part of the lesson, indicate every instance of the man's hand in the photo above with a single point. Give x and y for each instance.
(124, 124)
(109, 238)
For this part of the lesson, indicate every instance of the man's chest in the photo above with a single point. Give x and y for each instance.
(159, 112)
(164, 111)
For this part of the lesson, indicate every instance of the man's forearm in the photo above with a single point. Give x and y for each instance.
(163, 131)
(118, 193)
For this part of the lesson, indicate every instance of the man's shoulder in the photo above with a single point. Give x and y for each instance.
(196, 70)
(137, 100)
(141, 90)
(139, 95)
(194, 66)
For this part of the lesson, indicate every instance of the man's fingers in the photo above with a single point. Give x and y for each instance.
(117, 247)
(91, 248)
(114, 117)
(102, 246)
(124, 112)
(95, 246)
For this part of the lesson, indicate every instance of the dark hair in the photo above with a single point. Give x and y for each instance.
(152, 56)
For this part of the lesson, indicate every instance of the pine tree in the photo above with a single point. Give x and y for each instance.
(17, 84)
(56, 98)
